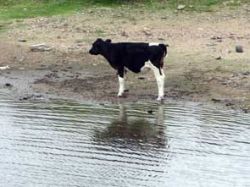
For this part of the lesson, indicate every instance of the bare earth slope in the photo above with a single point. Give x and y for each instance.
(202, 64)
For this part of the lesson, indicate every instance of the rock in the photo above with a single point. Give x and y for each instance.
(239, 49)
(40, 48)
(229, 104)
(22, 40)
(79, 41)
(124, 34)
(246, 73)
(141, 78)
(65, 25)
(147, 33)
(216, 38)
(4, 67)
(8, 85)
(218, 58)
(181, 7)
(162, 39)
(245, 110)
(24, 98)
(216, 100)
(211, 44)
(150, 111)
(32, 96)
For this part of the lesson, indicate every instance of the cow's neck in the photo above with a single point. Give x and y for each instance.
(106, 53)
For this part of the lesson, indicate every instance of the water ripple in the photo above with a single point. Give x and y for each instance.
(71, 144)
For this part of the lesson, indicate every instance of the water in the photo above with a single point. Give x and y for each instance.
(70, 144)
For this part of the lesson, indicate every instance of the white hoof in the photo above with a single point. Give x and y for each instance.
(160, 98)
(120, 94)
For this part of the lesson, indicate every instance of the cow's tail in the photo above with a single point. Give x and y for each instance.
(164, 48)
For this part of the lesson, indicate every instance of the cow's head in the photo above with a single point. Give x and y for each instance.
(98, 46)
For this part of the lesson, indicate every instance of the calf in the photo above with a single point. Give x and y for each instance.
(133, 56)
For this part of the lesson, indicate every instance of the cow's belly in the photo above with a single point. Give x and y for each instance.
(135, 67)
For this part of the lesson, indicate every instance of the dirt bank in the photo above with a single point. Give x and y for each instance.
(202, 64)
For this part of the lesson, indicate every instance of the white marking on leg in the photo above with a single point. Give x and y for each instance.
(159, 80)
(153, 44)
(121, 86)
(161, 84)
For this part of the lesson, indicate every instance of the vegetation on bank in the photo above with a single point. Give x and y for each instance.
(14, 9)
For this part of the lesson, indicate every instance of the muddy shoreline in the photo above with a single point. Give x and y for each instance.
(71, 81)
(202, 65)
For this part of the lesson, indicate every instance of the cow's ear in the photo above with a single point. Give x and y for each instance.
(99, 40)
(108, 40)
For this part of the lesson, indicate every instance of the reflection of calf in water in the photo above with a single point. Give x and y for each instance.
(135, 131)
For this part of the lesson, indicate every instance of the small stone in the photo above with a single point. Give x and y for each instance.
(229, 104)
(141, 78)
(162, 39)
(181, 7)
(239, 49)
(65, 24)
(218, 58)
(150, 111)
(79, 41)
(147, 33)
(24, 98)
(40, 48)
(8, 85)
(216, 38)
(22, 40)
(216, 100)
(4, 67)
(246, 73)
(211, 44)
(124, 34)
(245, 110)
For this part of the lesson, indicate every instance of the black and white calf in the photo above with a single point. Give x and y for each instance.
(134, 57)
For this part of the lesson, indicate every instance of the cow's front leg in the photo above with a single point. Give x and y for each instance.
(121, 81)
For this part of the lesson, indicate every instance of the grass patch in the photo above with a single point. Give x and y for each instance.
(34, 9)
(10, 9)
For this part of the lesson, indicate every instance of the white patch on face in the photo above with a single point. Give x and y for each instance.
(121, 86)
(153, 44)
(159, 79)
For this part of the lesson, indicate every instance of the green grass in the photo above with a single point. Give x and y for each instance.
(34, 9)
(15, 9)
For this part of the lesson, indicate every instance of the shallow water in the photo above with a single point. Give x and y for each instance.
(70, 144)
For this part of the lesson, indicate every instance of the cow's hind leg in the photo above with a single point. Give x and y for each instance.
(160, 80)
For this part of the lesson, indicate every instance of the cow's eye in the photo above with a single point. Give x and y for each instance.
(97, 47)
